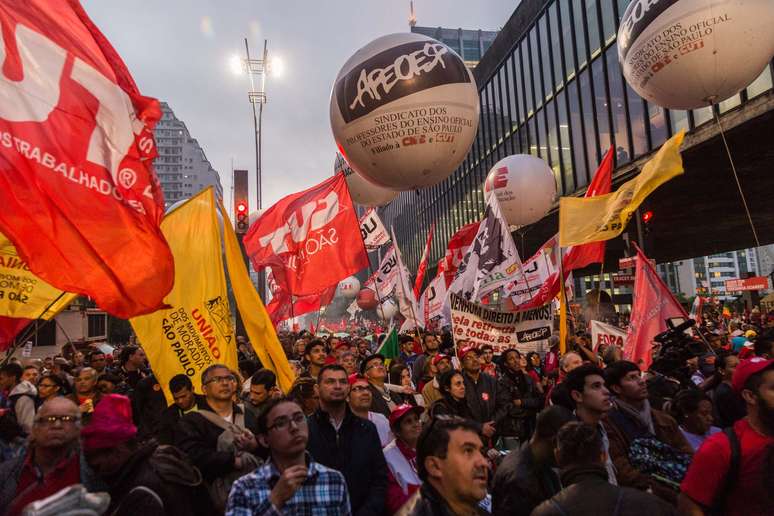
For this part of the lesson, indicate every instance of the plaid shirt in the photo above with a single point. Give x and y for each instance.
(323, 492)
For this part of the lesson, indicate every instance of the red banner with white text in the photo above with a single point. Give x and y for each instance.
(311, 239)
(81, 202)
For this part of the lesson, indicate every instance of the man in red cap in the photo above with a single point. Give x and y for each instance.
(432, 390)
(730, 473)
(142, 478)
(360, 399)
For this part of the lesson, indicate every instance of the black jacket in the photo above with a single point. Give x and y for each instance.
(482, 397)
(517, 421)
(148, 403)
(448, 406)
(521, 484)
(589, 492)
(428, 502)
(729, 406)
(379, 404)
(355, 451)
(198, 438)
(165, 471)
(169, 419)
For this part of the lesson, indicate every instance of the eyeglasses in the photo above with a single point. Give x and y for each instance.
(359, 388)
(281, 423)
(50, 420)
(375, 365)
(221, 379)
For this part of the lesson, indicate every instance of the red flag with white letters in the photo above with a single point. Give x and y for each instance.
(79, 197)
(311, 239)
(422, 269)
(457, 248)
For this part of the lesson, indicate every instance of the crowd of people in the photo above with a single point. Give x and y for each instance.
(444, 428)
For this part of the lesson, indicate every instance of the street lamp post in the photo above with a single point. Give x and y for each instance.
(257, 68)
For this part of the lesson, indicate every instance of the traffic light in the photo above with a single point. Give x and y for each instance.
(647, 216)
(242, 222)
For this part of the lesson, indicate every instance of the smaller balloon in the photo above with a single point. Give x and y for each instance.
(348, 287)
(362, 191)
(387, 310)
(366, 299)
(524, 186)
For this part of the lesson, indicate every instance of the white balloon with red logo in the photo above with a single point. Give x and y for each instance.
(404, 111)
(362, 191)
(348, 287)
(687, 54)
(525, 188)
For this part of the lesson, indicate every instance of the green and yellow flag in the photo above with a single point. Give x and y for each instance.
(592, 219)
(22, 294)
(196, 330)
(260, 330)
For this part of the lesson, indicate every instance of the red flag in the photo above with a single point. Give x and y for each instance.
(9, 329)
(456, 249)
(313, 237)
(81, 202)
(653, 304)
(284, 306)
(422, 269)
(578, 256)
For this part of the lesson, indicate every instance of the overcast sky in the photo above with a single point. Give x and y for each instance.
(179, 51)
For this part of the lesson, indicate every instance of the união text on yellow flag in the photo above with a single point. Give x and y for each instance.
(259, 327)
(196, 331)
(592, 219)
(22, 294)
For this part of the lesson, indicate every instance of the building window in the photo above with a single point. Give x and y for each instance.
(576, 127)
(601, 105)
(580, 36)
(453, 43)
(471, 50)
(545, 54)
(761, 84)
(589, 125)
(556, 44)
(592, 22)
(658, 128)
(97, 325)
(565, 142)
(637, 117)
(569, 56)
(617, 107)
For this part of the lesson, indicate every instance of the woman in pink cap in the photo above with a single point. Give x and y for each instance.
(401, 455)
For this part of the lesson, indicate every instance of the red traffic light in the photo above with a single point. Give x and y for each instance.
(647, 216)
(241, 207)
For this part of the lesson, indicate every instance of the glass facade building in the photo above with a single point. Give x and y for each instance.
(556, 91)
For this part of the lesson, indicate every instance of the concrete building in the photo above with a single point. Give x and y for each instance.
(181, 165)
(469, 44)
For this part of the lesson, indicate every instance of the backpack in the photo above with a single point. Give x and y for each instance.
(221, 487)
(719, 502)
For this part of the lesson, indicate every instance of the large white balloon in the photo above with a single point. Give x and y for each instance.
(362, 191)
(348, 287)
(686, 54)
(524, 186)
(387, 310)
(404, 111)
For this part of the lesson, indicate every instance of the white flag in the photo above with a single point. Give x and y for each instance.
(536, 271)
(372, 230)
(385, 278)
(602, 333)
(404, 293)
(432, 301)
(491, 261)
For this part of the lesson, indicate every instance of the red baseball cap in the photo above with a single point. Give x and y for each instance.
(401, 410)
(468, 349)
(747, 368)
(440, 356)
(355, 377)
(342, 344)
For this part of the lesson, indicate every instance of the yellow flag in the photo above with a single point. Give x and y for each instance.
(24, 295)
(259, 327)
(196, 331)
(592, 219)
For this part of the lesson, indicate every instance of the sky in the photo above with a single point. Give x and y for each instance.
(181, 52)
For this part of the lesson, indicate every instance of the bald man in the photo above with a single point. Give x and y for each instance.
(52, 460)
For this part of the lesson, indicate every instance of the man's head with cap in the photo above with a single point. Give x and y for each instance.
(442, 363)
(754, 381)
(360, 396)
(469, 356)
(109, 439)
(405, 423)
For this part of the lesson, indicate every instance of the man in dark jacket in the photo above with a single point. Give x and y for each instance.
(197, 436)
(342, 441)
(382, 400)
(587, 491)
(144, 479)
(480, 392)
(520, 401)
(148, 403)
(526, 477)
(185, 401)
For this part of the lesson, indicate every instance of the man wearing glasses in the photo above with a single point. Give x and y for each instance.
(198, 433)
(383, 401)
(52, 461)
(290, 482)
(340, 440)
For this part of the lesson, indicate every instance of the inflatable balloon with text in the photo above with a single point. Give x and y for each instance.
(524, 186)
(404, 111)
(687, 54)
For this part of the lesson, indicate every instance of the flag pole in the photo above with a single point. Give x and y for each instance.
(32, 330)
(403, 280)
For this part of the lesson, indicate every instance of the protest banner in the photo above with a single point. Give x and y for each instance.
(602, 333)
(526, 331)
(372, 230)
